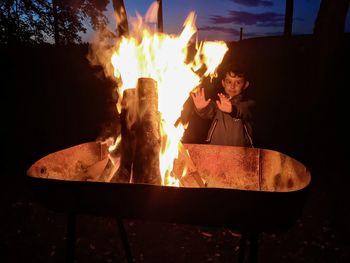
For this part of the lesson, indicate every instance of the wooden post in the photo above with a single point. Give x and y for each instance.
(288, 18)
(122, 19)
(146, 160)
(241, 34)
(160, 16)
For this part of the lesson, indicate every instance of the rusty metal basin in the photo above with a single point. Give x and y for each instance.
(247, 188)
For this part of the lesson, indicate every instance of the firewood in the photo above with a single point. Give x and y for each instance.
(128, 140)
(146, 159)
(112, 162)
(109, 171)
(92, 172)
(191, 168)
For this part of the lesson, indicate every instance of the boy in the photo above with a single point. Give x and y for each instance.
(231, 114)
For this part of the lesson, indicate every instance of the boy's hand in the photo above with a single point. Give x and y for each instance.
(224, 103)
(199, 99)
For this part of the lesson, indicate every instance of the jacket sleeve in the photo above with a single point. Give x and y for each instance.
(208, 112)
(243, 110)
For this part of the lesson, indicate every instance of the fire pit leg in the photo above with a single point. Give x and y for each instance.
(248, 248)
(71, 222)
(124, 238)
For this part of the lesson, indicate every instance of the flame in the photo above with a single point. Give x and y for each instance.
(146, 53)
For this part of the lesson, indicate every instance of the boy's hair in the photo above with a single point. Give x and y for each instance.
(238, 70)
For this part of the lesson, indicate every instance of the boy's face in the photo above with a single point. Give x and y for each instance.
(234, 84)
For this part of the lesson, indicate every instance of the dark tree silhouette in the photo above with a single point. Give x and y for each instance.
(58, 21)
(68, 18)
(21, 21)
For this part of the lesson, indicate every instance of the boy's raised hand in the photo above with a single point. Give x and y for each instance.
(224, 103)
(199, 99)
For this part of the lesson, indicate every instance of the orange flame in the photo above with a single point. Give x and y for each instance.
(162, 57)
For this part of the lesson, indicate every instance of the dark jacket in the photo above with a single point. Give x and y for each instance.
(233, 129)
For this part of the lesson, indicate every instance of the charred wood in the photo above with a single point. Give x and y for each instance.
(146, 160)
(128, 117)
(192, 172)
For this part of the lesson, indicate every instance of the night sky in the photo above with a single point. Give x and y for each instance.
(222, 19)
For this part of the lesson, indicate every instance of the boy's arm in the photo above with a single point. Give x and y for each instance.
(207, 112)
(203, 107)
(242, 110)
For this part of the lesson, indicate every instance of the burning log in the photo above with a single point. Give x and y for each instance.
(119, 165)
(140, 137)
(146, 159)
(111, 166)
(192, 170)
(128, 117)
(109, 170)
(136, 159)
(139, 120)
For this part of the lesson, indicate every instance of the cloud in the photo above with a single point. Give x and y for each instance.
(253, 2)
(266, 19)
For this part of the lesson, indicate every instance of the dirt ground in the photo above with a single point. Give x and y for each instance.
(32, 233)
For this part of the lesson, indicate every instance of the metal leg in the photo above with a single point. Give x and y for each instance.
(124, 238)
(71, 223)
(249, 248)
(253, 247)
(242, 247)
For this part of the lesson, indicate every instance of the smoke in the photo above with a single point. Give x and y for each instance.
(101, 50)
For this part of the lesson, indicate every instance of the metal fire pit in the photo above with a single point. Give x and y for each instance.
(248, 189)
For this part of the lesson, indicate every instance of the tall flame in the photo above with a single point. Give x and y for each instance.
(162, 57)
